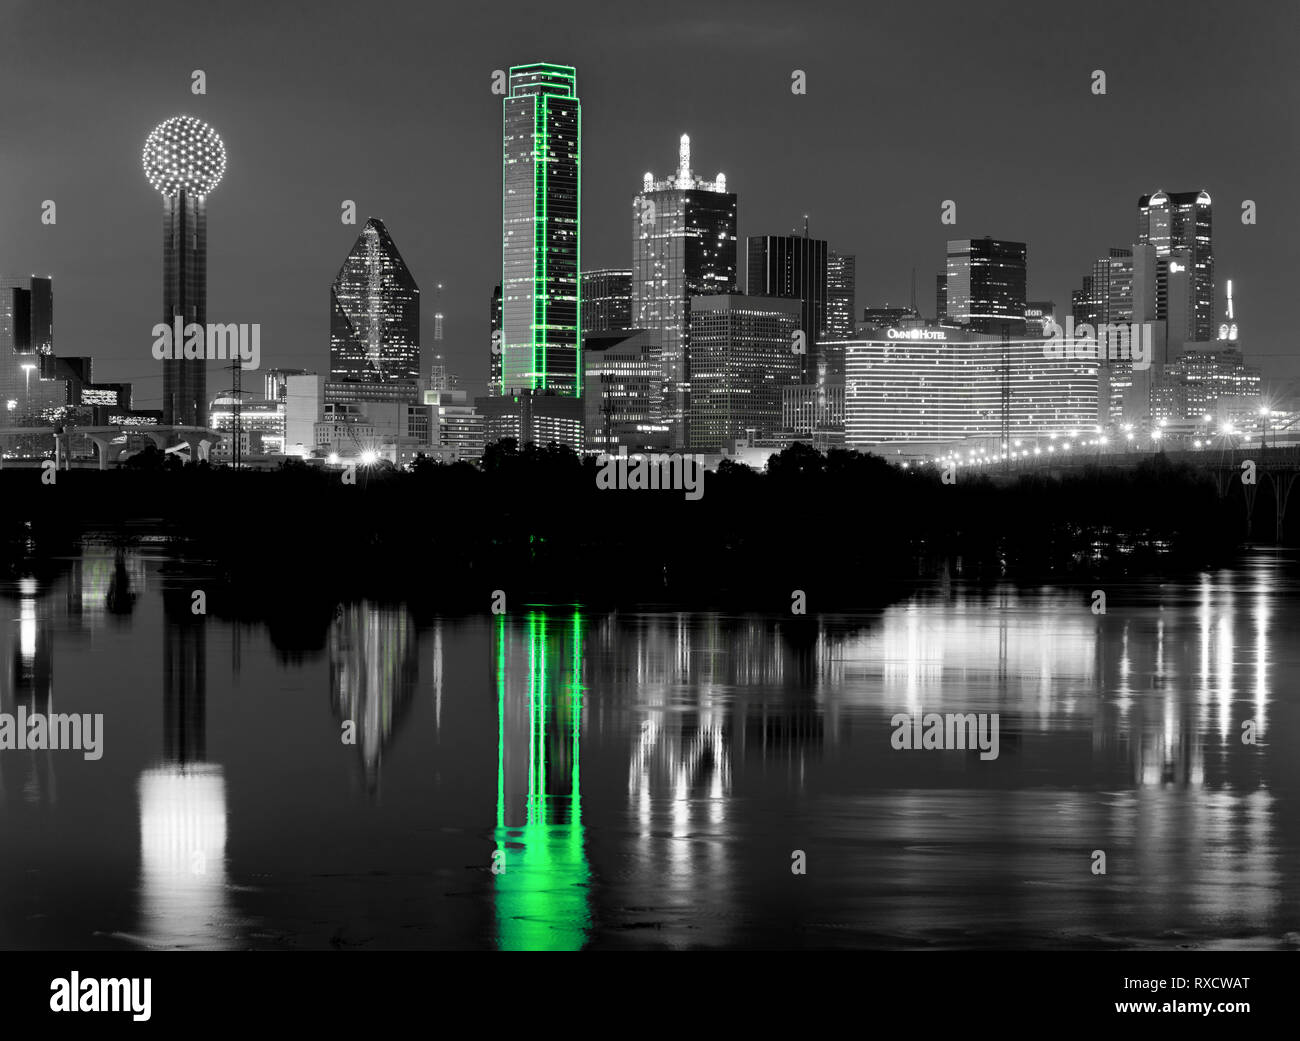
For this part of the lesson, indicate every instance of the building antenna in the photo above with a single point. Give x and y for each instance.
(914, 310)
(437, 312)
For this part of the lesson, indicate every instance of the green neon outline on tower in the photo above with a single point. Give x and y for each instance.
(541, 231)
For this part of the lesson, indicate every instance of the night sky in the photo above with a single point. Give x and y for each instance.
(390, 104)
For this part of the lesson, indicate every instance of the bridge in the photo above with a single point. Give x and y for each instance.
(112, 439)
(1234, 469)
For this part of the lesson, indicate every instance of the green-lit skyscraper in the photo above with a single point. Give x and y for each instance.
(542, 135)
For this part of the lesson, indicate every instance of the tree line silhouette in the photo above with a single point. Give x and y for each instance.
(848, 529)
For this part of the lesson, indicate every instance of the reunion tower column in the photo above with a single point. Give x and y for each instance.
(184, 160)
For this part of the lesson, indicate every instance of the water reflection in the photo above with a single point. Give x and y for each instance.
(540, 867)
(183, 885)
(30, 668)
(653, 772)
(374, 667)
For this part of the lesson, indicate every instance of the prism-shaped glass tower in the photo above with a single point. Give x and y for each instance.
(374, 313)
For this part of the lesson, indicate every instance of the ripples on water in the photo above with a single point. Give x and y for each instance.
(645, 779)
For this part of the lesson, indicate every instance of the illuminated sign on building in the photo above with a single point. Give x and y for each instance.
(133, 421)
(916, 334)
(98, 397)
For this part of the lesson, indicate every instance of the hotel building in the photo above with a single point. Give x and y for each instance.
(939, 385)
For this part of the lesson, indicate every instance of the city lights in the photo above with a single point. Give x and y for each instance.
(184, 154)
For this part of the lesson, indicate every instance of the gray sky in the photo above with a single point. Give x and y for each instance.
(390, 104)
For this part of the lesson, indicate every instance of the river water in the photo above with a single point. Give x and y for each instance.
(558, 778)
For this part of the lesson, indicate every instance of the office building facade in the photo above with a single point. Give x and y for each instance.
(26, 339)
(606, 300)
(624, 385)
(741, 362)
(374, 313)
(1037, 314)
(947, 385)
(841, 295)
(985, 285)
(792, 267)
(540, 249)
(684, 247)
(1171, 221)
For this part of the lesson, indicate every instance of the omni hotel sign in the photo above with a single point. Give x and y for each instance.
(916, 334)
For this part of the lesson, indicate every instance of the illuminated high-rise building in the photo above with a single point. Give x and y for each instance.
(374, 313)
(622, 397)
(684, 245)
(741, 364)
(1171, 221)
(606, 300)
(841, 295)
(1037, 314)
(536, 372)
(494, 357)
(26, 338)
(542, 145)
(794, 267)
(1085, 303)
(986, 285)
(184, 160)
(1112, 286)
(943, 385)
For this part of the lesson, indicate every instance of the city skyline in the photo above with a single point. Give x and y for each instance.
(892, 226)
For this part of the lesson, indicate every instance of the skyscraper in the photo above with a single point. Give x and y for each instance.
(1112, 281)
(622, 394)
(684, 245)
(841, 295)
(1037, 314)
(1106, 299)
(1184, 220)
(1085, 303)
(606, 300)
(740, 364)
(986, 285)
(793, 267)
(542, 145)
(494, 358)
(26, 337)
(184, 159)
(374, 313)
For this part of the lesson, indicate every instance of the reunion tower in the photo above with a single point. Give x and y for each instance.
(184, 160)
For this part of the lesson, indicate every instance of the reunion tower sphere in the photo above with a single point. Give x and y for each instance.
(184, 154)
